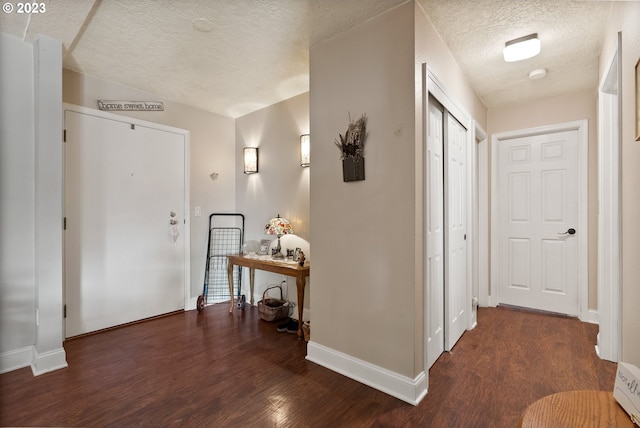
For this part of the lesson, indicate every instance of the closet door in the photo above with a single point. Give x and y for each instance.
(434, 208)
(124, 185)
(456, 230)
(446, 230)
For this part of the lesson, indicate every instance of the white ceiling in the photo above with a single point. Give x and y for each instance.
(233, 57)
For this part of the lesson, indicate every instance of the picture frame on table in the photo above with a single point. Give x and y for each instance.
(265, 244)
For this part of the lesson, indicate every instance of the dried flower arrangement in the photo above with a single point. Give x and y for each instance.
(351, 144)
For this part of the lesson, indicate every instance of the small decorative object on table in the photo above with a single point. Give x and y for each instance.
(264, 247)
(301, 258)
(351, 147)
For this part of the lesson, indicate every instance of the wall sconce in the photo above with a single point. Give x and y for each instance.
(250, 160)
(305, 150)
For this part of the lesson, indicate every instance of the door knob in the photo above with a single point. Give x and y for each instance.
(570, 231)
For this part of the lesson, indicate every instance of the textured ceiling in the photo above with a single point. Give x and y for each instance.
(570, 32)
(232, 57)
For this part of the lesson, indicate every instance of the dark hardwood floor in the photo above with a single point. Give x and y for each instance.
(216, 370)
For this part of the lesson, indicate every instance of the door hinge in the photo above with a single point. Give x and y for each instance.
(64, 224)
(465, 236)
(64, 311)
(64, 135)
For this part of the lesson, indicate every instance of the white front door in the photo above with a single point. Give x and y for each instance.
(456, 231)
(538, 211)
(123, 258)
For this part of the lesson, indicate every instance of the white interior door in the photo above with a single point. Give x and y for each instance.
(123, 259)
(456, 231)
(434, 206)
(538, 206)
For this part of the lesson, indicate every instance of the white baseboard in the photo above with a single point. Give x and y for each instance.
(48, 361)
(402, 387)
(16, 359)
(593, 317)
(192, 303)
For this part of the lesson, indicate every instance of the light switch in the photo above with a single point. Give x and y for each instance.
(198, 212)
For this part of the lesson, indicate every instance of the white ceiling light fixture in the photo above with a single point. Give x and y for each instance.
(521, 48)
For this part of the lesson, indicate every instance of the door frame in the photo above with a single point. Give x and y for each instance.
(609, 207)
(188, 304)
(480, 187)
(434, 87)
(582, 127)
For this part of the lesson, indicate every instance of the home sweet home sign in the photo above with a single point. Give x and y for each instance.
(130, 105)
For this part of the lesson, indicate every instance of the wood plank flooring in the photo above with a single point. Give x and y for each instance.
(216, 370)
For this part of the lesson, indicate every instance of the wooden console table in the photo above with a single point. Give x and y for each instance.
(576, 409)
(290, 269)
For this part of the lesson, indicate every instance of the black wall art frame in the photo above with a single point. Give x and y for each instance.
(637, 79)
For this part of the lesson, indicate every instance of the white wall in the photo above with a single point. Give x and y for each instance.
(624, 18)
(17, 193)
(363, 231)
(430, 49)
(212, 145)
(31, 200)
(368, 306)
(48, 352)
(280, 187)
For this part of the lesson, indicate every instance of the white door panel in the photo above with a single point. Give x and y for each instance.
(455, 239)
(538, 193)
(122, 263)
(435, 233)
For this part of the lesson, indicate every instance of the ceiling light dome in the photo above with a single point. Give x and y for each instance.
(522, 48)
(537, 73)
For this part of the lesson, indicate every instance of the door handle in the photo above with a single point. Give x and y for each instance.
(570, 231)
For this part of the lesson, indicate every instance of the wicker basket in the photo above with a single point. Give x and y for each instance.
(271, 309)
(306, 329)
